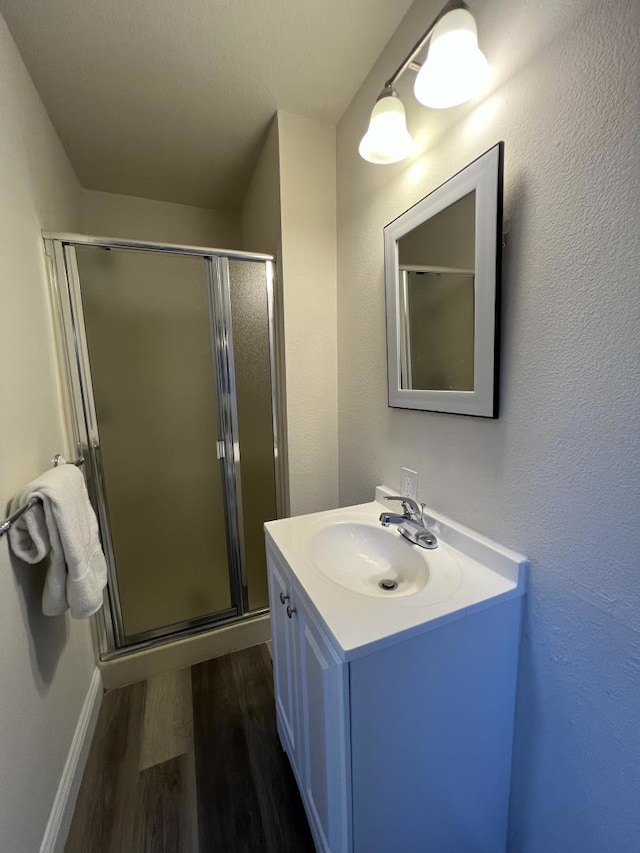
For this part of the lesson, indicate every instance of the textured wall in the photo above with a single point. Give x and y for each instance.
(558, 475)
(45, 663)
(308, 210)
(128, 217)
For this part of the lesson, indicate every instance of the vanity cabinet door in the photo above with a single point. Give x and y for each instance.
(284, 658)
(325, 764)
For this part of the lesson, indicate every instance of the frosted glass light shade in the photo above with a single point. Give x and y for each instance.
(387, 140)
(456, 69)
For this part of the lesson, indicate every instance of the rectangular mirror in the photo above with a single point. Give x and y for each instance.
(442, 272)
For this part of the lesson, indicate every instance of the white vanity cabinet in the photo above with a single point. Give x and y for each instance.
(397, 717)
(311, 690)
(285, 658)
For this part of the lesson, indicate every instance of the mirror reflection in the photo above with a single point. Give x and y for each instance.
(437, 277)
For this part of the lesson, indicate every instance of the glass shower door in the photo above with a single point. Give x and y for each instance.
(150, 341)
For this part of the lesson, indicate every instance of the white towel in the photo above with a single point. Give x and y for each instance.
(62, 524)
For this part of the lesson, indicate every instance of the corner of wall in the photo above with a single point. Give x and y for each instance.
(260, 214)
(307, 158)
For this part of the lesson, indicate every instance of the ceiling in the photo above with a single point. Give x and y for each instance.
(170, 99)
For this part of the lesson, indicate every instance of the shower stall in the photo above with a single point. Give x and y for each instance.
(172, 366)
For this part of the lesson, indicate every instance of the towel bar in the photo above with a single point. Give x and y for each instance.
(5, 525)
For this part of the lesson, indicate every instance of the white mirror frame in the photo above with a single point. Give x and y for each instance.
(484, 176)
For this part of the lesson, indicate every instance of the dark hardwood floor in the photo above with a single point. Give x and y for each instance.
(190, 762)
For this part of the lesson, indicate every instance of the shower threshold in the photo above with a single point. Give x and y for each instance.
(172, 634)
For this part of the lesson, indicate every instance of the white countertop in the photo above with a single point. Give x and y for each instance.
(477, 573)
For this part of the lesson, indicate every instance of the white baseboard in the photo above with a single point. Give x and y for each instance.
(55, 834)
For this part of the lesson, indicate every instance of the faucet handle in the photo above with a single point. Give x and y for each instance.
(410, 507)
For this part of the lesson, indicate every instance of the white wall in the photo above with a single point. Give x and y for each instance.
(128, 217)
(45, 664)
(558, 475)
(308, 210)
(290, 211)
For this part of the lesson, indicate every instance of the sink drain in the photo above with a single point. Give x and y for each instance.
(387, 584)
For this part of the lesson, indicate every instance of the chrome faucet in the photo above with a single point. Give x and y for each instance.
(410, 524)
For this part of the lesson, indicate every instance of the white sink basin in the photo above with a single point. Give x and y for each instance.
(339, 556)
(360, 557)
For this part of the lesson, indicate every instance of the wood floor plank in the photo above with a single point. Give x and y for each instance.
(167, 729)
(229, 816)
(191, 794)
(162, 822)
(230, 790)
(247, 796)
(102, 821)
(283, 818)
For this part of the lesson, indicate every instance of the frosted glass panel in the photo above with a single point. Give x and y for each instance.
(250, 323)
(149, 341)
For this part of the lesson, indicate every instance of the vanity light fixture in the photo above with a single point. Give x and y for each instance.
(455, 70)
(387, 139)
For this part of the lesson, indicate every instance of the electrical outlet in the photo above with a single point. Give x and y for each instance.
(409, 483)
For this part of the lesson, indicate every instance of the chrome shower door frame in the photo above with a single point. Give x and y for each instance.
(222, 350)
(60, 251)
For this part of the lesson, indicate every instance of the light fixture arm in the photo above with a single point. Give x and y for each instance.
(409, 61)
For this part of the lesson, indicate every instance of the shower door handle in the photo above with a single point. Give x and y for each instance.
(220, 450)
